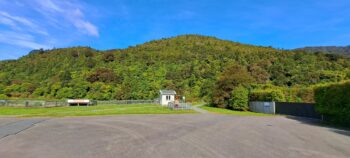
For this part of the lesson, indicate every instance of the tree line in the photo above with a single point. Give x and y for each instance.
(198, 67)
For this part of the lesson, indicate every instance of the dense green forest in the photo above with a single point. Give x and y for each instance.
(328, 50)
(198, 67)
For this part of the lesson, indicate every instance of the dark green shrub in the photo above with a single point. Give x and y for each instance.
(65, 93)
(333, 102)
(239, 99)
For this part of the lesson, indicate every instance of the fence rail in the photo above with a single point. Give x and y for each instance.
(61, 103)
(32, 103)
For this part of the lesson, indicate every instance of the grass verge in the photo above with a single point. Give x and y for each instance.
(89, 110)
(232, 112)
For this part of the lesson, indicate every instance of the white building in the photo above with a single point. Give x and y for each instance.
(167, 96)
(78, 102)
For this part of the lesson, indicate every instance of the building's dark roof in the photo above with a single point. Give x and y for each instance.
(167, 92)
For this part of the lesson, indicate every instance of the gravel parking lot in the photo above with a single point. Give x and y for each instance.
(170, 136)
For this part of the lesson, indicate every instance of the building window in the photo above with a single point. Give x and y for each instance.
(167, 97)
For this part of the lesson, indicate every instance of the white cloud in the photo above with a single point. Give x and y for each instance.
(21, 40)
(70, 12)
(34, 24)
(48, 4)
(7, 21)
(16, 23)
(87, 26)
(18, 19)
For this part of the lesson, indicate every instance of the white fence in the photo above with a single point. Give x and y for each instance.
(180, 106)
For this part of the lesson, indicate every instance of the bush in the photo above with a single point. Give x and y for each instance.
(108, 57)
(2, 87)
(267, 95)
(333, 102)
(39, 92)
(305, 95)
(100, 91)
(65, 93)
(3, 97)
(332, 76)
(239, 99)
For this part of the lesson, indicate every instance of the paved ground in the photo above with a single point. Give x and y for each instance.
(170, 136)
(199, 110)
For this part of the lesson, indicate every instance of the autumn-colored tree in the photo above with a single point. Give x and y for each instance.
(259, 74)
(102, 75)
(108, 57)
(233, 76)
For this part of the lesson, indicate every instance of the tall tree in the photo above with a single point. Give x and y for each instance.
(233, 76)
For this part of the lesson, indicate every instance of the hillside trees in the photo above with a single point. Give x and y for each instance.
(108, 57)
(100, 91)
(65, 77)
(65, 93)
(195, 66)
(260, 75)
(103, 75)
(232, 77)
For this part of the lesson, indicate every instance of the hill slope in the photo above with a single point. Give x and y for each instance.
(329, 50)
(189, 64)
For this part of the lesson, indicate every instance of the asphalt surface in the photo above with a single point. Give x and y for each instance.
(170, 136)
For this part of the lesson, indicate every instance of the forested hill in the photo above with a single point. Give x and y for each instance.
(329, 50)
(190, 64)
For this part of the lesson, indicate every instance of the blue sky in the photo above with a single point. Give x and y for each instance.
(107, 24)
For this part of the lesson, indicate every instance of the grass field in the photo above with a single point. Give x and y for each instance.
(231, 112)
(89, 111)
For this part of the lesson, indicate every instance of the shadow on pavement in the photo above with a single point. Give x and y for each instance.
(316, 122)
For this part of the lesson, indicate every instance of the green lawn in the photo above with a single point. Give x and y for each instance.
(89, 111)
(232, 112)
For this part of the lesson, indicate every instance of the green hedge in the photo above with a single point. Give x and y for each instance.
(301, 95)
(288, 94)
(267, 95)
(333, 101)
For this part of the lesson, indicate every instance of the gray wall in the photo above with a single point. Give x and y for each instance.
(297, 109)
(263, 107)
